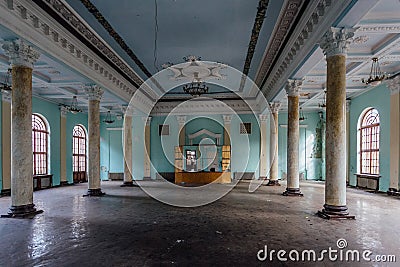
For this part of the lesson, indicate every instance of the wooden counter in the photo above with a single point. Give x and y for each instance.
(202, 177)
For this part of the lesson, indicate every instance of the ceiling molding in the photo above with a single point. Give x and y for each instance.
(318, 17)
(31, 23)
(286, 18)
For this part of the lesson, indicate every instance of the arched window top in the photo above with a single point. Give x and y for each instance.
(370, 118)
(39, 124)
(79, 131)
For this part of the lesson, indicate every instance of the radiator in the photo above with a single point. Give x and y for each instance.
(116, 176)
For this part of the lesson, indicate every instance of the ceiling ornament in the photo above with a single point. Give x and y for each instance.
(196, 70)
(361, 39)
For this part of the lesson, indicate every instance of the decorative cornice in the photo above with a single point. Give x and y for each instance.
(258, 22)
(34, 25)
(6, 96)
(181, 120)
(64, 111)
(20, 53)
(94, 92)
(286, 19)
(275, 106)
(336, 41)
(293, 87)
(106, 25)
(394, 85)
(227, 119)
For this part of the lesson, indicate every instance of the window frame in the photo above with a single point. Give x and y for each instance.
(40, 135)
(79, 155)
(369, 138)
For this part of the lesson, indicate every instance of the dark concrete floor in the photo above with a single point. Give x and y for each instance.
(128, 228)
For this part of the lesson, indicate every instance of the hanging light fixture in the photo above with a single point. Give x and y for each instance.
(375, 75)
(323, 104)
(74, 106)
(195, 88)
(6, 85)
(108, 118)
(301, 117)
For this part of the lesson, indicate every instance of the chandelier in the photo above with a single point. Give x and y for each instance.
(6, 85)
(74, 106)
(108, 118)
(375, 75)
(195, 88)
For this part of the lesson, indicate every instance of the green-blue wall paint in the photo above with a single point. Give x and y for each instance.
(1, 145)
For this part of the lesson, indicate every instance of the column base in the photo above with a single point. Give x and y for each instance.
(5, 193)
(335, 213)
(22, 212)
(393, 192)
(273, 183)
(64, 183)
(292, 192)
(129, 184)
(94, 193)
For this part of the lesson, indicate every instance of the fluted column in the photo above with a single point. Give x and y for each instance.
(6, 142)
(182, 133)
(263, 146)
(128, 181)
(147, 163)
(335, 44)
(273, 148)
(94, 94)
(227, 129)
(22, 57)
(293, 183)
(63, 145)
(394, 87)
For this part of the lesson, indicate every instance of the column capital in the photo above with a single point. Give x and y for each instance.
(394, 85)
(263, 117)
(147, 120)
(227, 119)
(6, 96)
(94, 92)
(20, 53)
(63, 111)
(275, 106)
(128, 110)
(181, 119)
(293, 87)
(336, 41)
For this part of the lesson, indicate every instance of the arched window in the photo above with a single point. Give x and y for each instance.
(79, 154)
(40, 141)
(369, 142)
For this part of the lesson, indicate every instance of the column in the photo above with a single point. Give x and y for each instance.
(147, 163)
(182, 133)
(227, 129)
(128, 181)
(335, 44)
(273, 148)
(293, 183)
(94, 94)
(22, 57)
(394, 87)
(6, 141)
(263, 146)
(347, 140)
(63, 145)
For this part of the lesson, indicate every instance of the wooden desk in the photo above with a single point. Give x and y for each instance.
(202, 177)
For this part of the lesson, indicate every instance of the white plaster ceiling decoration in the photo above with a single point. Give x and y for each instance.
(196, 70)
(361, 39)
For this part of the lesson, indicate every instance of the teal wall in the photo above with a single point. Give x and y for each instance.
(111, 150)
(71, 121)
(378, 98)
(311, 167)
(51, 113)
(1, 145)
